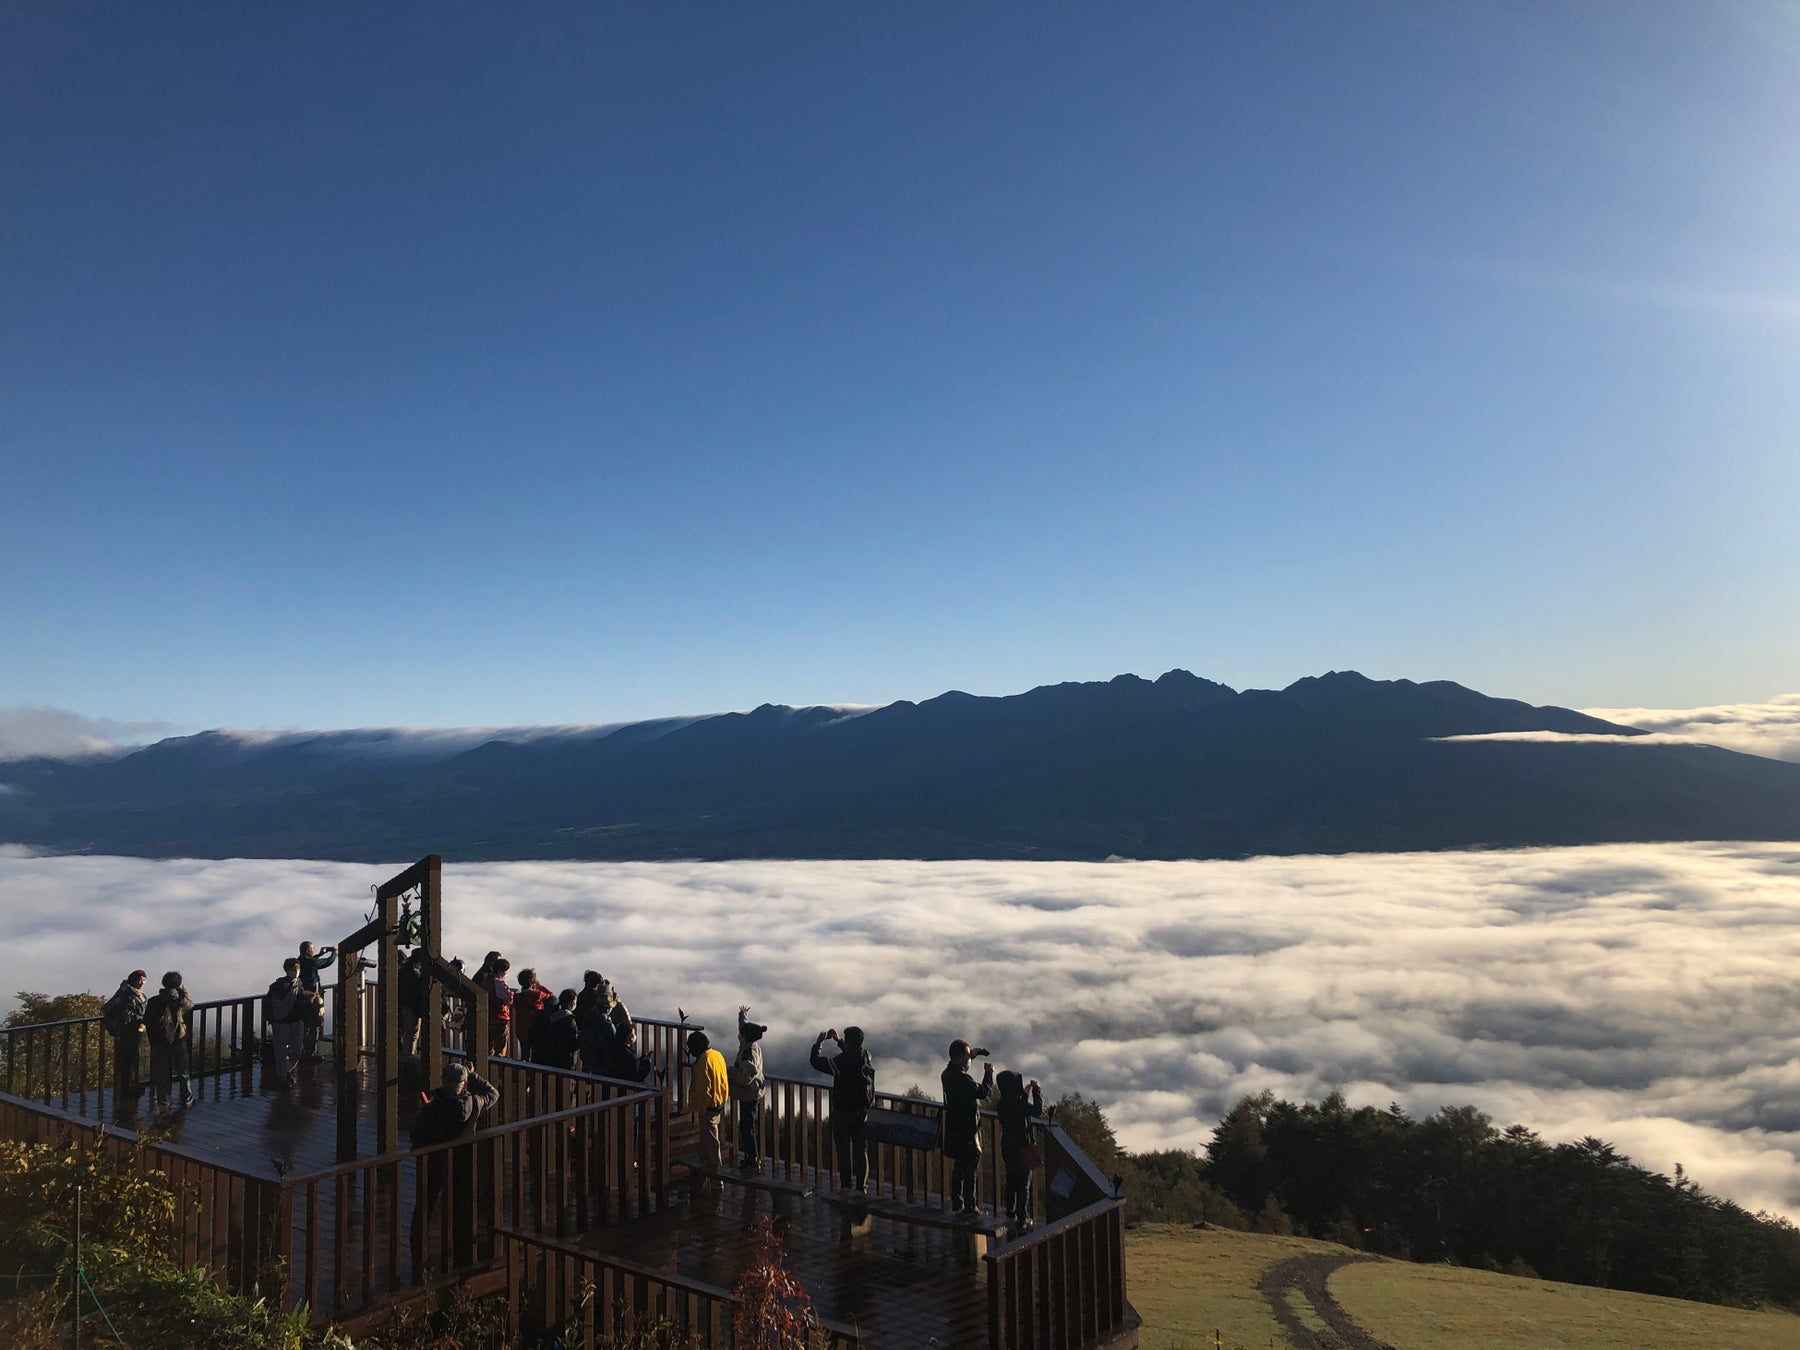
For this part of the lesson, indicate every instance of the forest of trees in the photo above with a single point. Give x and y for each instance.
(1454, 1187)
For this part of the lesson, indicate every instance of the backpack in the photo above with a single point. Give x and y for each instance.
(278, 1003)
(163, 1021)
(114, 1015)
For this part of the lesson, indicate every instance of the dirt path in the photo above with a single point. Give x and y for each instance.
(1302, 1278)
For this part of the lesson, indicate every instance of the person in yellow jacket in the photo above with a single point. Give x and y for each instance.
(708, 1091)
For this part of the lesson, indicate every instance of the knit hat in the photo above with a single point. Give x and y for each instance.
(751, 1031)
(455, 1074)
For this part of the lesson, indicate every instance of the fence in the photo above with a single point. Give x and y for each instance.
(358, 1233)
(586, 1300)
(1064, 1284)
(64, 1063)
(224, 1220)
(796, 1134)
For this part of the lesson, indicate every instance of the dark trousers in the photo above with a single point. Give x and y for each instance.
(1018, 1188)
(963, 1160)
(445, 1180)
(125, 1072)
(749, 1112)
(850, 1144)
(168, 1062)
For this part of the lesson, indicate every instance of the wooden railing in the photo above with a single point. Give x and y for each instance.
(796, 1134)
(66, 1062)
(666, 1044)
(585, 1301)
(1062, 1285)
(224, 1220)
(360, 1232)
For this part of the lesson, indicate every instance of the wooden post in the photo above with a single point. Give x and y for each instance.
(346, 1047)
(431, 1027)
(387, 1027)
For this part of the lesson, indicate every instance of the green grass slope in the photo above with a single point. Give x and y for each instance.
(1190, 1283)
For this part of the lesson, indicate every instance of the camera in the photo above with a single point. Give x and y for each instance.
(978, 1052)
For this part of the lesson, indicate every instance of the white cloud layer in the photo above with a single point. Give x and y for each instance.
(29, 730)
(1643, 993)
(1771, 728)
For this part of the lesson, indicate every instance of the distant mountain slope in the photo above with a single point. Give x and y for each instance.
(1175, 767)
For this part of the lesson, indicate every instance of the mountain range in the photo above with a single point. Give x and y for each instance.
(1177, 767)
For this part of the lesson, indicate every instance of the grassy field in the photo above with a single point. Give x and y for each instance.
(1442, 1308)
(1190, 1283)
(1187, 1283)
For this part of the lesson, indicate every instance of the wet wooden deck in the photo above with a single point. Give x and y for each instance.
(896, 1283)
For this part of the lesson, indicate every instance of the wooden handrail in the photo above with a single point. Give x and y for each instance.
(1049, 1231)
(485, 1132)
(90, 1021)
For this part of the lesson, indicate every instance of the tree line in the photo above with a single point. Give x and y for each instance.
(1455, 1187)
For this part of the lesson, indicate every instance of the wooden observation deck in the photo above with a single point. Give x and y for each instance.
(576, 1199)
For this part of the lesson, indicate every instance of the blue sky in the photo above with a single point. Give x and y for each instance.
(484, 364)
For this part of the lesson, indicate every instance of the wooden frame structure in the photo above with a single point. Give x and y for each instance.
(384, 931)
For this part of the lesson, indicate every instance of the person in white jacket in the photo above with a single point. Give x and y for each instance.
(746, 1075)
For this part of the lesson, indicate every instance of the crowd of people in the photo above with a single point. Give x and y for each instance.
(589, 1029)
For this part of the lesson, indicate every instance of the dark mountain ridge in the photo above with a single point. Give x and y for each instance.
(1173, 767)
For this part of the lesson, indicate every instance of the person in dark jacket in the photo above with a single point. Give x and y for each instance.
(592, 984)
(1020, 1104)
(412, 984)
(596, 1029)
(622, 1046)
(451, 1114)
(284, 1009)
(852, 1075)
(123, 1016)
(312, 990)
(962, 1123)
(167, 1024)
(555, 1038)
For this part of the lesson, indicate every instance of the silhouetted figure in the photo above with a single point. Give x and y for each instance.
(555, 1039)
(1020, 1103)
(413, 984)
(746, 1090)
(622, 1046)
(530, 999)
(962, 1123)
(708, 1091)
(168, 1025)
(122, 1015)
(452, 1113)
(492, 977)
(284, 1009)
(312, 990)
(852, 1075)
(594, 1021)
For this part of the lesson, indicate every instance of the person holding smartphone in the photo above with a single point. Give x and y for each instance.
(963, 1097)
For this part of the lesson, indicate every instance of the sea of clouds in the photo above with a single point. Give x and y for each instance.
(1642, 993)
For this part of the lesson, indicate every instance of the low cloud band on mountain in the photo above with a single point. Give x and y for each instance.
(1640, 993)
(29, 730)
(1771, 728)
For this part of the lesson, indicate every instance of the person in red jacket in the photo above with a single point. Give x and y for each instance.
(530, 1000)
(492, 977)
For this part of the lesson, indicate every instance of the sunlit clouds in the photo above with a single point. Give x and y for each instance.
(1643, 993)
(1771, 728)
